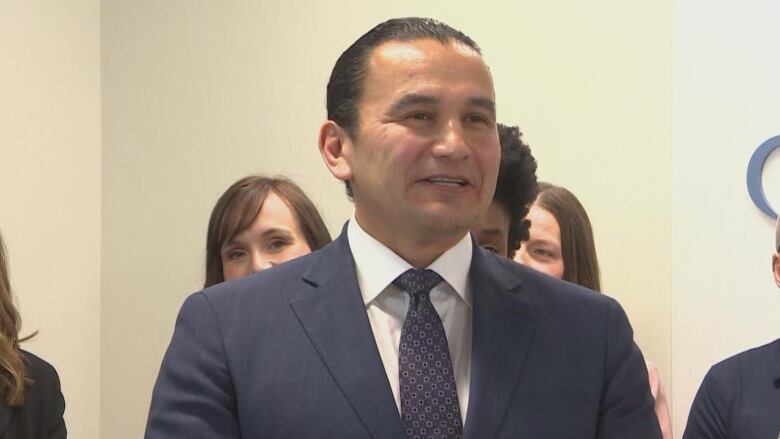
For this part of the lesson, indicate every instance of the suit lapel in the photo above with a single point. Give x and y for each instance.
(335, 320)
(504, 322)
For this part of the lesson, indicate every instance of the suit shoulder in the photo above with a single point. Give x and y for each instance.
(45, 382)
(279, 278)
(38, 369)
(746, 363)
(549, 295)
(555, 289)
(44, 403)
(267, 291)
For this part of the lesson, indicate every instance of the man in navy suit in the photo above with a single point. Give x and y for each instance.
(740, 396)
(323, 347)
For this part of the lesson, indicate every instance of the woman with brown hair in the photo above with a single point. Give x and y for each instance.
(561, 238)
(32, 404)
(561, 244)
(260, 222)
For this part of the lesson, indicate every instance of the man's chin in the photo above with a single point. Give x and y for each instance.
(447, 222)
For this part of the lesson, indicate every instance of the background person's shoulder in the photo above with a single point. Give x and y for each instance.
(39, 370)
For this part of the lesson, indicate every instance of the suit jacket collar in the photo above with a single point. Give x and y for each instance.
(335, 320)
(334, 317)
(505, 317)
(377, 265)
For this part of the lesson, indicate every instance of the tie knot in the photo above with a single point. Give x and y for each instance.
(416, 282)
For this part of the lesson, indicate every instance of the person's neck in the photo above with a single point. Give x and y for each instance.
(419, 248)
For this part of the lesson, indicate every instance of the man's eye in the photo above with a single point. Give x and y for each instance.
(477, 118)
(420, 115)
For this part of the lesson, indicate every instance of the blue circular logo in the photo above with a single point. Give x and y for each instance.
(755, 173)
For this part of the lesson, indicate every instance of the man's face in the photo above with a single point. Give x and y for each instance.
(492, 230)
(424, 161)
(776, 267)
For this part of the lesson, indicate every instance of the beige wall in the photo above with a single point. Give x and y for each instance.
(50, 188)
(593, 95)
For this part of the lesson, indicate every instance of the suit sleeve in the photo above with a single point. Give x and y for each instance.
(194, 395)
(627, 407)
(706, 418)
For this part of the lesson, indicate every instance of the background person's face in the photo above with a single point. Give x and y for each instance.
(542, 251)
(776, 267)
(492, 229)
(425, 159)
(274, 237)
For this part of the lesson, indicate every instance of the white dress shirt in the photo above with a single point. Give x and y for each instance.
(377, 267)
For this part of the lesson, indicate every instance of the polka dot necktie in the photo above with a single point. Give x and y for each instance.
(429, 400)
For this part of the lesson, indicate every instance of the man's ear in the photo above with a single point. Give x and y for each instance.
(336, 148)
(776, 267)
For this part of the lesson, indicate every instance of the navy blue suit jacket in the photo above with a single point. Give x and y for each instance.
(739, 398)
(289, 353)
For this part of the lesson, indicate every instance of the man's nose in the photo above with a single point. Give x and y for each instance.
(452, 143)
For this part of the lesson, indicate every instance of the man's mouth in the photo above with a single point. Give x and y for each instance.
(447, 181)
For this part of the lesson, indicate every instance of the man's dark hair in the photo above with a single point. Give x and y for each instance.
(345, 86)
(516, 188)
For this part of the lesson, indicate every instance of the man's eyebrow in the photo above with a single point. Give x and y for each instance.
(485, 103)
(412, 99)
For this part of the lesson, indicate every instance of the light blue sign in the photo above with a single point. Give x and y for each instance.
(755, 171)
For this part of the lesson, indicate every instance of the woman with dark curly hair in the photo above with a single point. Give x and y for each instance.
(32, 405)
(503, 226)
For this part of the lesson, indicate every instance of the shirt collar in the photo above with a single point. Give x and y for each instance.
(377, 266)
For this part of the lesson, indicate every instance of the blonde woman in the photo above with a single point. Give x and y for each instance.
(31, 405)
